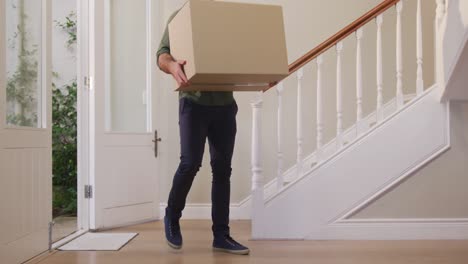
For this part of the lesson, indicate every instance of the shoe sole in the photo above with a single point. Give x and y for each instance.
(173, 246)
(235, 252)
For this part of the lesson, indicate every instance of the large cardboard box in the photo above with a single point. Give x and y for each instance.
(229, 46)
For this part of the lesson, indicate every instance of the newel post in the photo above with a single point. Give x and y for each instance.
(280, 154)
(399, 56)
(257, 170)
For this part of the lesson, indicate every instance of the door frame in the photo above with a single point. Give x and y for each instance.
(83, 88)
(82, 107)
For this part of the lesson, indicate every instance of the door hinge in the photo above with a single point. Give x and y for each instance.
(88, 191)
(88, 83)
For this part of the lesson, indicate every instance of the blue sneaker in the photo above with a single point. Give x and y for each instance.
(173, 235)
(227, 244)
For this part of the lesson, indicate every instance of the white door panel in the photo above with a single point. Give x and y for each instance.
(27, 138)
(123, 113)
(25, 146)
(128, 168)
(133, 213)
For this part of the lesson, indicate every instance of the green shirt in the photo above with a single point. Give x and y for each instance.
(204, 98)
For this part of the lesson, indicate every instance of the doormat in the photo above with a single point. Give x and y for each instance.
(99, 242)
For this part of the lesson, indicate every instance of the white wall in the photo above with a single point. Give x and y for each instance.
(463, 7)
(307, 24)
(63, 56)
(455, 32)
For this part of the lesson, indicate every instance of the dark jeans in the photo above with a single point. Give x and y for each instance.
(197, 123)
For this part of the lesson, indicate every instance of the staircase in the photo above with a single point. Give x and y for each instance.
(315, 198)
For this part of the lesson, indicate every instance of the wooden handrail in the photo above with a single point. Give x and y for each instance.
(342, 34)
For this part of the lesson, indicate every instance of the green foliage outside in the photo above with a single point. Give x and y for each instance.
(64, 150)
(64, 136)
(69, 26)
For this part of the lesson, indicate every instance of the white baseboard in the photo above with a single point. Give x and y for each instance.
(394, 229)
(202, 211)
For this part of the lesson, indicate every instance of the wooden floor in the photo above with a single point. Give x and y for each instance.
(63, 227)
(150, 247)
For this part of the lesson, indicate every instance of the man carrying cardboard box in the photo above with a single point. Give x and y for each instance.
(202, 115)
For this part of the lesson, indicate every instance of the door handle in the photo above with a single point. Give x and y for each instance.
(155, 141)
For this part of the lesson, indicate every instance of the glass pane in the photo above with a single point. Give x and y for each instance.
(23, 62)
(126, 62)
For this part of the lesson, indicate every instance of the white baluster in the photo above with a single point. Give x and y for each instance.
(280, 178)
(339, 97)
(319, 152)
(380, 115)
(257, 170)
(300, 76)
(419, 51)
(439, 65)
(359, 125)
(399, 57)
(440, 11)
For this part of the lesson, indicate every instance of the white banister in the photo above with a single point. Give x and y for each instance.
(419, 51)
(257, 170)
(359, 114)
(380, 115)
(339, 97)
(280, 178)
(300, 76)
(319, 152)
(399, 57)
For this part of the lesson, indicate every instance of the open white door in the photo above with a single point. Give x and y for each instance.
(25, 129)
(123, 166)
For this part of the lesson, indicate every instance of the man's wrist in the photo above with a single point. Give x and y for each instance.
(165, 62)
(172, 66)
